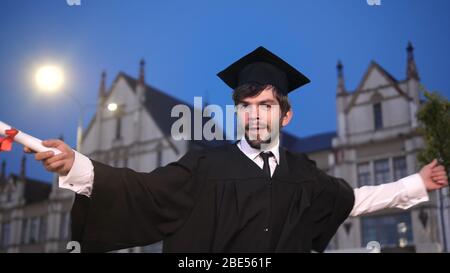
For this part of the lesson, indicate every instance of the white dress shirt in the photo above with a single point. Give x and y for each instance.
(404, 193)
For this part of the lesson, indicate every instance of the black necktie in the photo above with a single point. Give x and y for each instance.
(265, 156)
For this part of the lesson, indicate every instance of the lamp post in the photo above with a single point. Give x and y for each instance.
(80, 120)
(50, 79)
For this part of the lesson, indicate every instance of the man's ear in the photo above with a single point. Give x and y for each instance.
(287, 118)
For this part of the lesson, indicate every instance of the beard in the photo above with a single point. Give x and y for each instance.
(260, 136)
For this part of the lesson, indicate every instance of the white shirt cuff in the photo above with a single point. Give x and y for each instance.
(80, 178)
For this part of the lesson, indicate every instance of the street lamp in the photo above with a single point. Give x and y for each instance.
(112, 107)
(50, 79)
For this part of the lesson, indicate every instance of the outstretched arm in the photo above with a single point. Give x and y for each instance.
(119, 208)
(403, 194)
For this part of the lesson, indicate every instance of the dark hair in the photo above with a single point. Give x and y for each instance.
(254, 89)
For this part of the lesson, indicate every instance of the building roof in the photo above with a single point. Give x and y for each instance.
(392, 81)
(310, 144)
(35, 190)
(159, 105)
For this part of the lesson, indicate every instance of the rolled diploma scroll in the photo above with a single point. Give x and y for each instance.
(26, 140)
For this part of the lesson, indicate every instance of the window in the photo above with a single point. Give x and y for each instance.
(8, 196)
(118, 127)
(24, 236)
(378, 116)
(382, 172)
(400, 168)
(159, 156)
(34, 230)
(389, 231)
(6, 233)
(43, 229)
(364, 174)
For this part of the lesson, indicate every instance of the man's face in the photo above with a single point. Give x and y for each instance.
(260, 118)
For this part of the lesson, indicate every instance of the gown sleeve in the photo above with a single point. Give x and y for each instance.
(331, 207)
(129, 208)
(339, 198)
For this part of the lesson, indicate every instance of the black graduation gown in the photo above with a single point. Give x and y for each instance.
(214, 200)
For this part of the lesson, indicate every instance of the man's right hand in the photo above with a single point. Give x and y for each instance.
(61, 163)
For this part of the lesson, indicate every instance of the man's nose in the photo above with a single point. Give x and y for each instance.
(254, 112)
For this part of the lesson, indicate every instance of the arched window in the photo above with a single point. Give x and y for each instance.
(376, 100)
(377, 116)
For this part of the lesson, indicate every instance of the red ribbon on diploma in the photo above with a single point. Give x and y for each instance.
(7, 141)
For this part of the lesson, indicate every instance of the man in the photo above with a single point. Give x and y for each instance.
(250, 196)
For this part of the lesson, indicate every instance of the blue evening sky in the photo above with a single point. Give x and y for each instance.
(186, 42)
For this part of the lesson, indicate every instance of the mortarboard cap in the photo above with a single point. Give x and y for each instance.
(263, 67)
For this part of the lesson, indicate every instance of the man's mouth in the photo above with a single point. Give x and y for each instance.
(257, 127)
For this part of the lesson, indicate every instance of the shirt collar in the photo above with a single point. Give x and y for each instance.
(253, 153)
